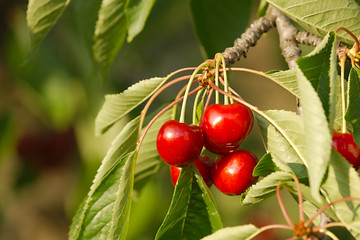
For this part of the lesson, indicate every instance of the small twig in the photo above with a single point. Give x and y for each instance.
(307, 38)
(249, 38)
(287, 31)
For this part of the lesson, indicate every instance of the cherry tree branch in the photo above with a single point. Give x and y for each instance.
(287, 31)
(249, 38)
(307, 38)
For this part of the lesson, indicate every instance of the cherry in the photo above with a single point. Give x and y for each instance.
(203, 165)
(344, 143)
(179, 144)
(226, 126)
(232, 173)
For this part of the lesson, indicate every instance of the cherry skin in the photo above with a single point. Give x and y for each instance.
(179, 144)
(232, 173)
(225, 127)
(344, 144)
(203, 165)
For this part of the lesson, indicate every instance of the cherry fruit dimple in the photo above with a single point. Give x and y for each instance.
(232, 173)
(203, 165)
(179, 144)
(225, 127)
(344, 144)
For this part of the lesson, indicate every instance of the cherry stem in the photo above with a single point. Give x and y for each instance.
(231, 90)
(195, 106)
(269, 227)
(226, 83)
(323, 208)
(182, 114)
(300, 199)
(343, 103)
(207, 102)
(282, 206)
(217, 66)
(182, 90)
(329, 225)
(162, 88)
(141, 138)
(261, 113)
(356, 45)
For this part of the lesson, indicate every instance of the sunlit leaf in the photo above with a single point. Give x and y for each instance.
(322, 16)
(286, 79)
(265, 187)
(353, 111)
(110, 31)
(320, 69)
(265, 166)
(317, 135)
(219, 23)
(192, 213)
(137, 12)
(117, 106)
(148, 161)
(106, 212)
(116, 172)
(317, 99)
(283, 154)
(291, 128)
(41, 16)
(343, 181)
(243, 232)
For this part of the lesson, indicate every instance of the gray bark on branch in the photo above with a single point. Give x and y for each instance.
(249, 38)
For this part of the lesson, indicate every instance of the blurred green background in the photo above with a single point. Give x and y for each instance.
(49, 99)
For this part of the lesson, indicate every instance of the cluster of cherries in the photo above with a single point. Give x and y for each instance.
(221, 130)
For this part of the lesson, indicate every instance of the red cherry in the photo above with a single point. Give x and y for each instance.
(232, 173)
(344, 143)
(179, 144)
(226, 126)
(203, 165)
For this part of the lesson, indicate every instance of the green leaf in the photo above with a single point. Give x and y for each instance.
(291, 128)
(322, 16)
(353, 110)
(107, 213)
(306, 194)
(343, 181)
(317, 135)
(41, 16)
(264, 188)
(218, 23)
(283, 154)
(265, 166)
(117, 106)
(110, 31)
(117, 158)
(192, 213)
(244, 232)
(148, 161)
(137, 12)
(286, 79)
(320, 68)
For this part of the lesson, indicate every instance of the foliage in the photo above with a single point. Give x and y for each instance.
(298, 146)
